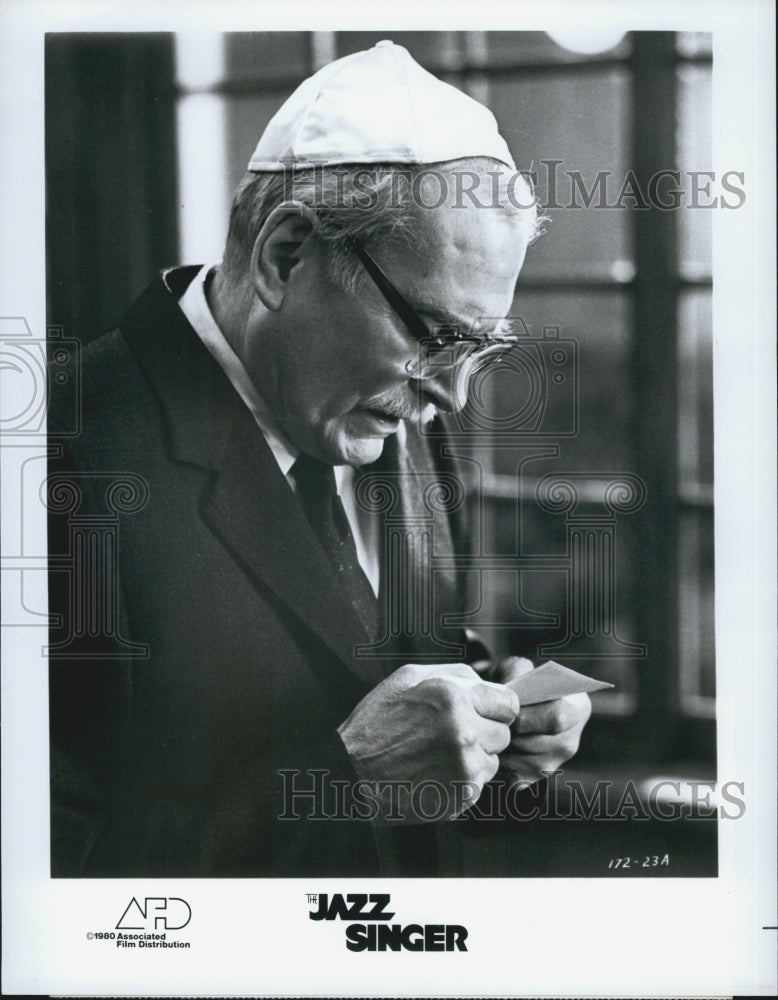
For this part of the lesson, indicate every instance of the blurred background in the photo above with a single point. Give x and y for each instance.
(147, 135)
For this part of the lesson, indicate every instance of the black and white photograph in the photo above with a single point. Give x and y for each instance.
(388, 538)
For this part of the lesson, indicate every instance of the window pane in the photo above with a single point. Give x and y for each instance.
(570, 382)
(695, 153)
(265, 55)
(694, 43)
(695, 392)
(578, 610)
(247, 118)
(697, 614)
(584, 124)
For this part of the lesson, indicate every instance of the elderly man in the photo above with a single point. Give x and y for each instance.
(283, 694)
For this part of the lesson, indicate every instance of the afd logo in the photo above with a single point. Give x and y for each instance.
(167, 913)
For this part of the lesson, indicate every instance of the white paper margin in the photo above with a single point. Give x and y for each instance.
(526, 937)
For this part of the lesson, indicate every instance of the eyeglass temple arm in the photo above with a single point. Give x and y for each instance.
(415, 324)
(393, 296)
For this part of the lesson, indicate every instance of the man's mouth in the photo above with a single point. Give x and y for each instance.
(383, 417)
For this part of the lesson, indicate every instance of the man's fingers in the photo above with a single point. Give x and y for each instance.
(451, 670)
(482, 667)
(525, 769)
(535, 746)
(414, 673)
(513, 667)
(494, 737)
(551, 717)
(546, 718)
(492, 767)
(495, 701)
(550, 751)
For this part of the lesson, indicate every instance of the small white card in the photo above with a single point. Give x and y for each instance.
(551, 680)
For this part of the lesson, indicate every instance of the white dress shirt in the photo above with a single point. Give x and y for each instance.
(365, 526)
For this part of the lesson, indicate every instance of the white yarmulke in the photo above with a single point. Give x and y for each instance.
(377, 106)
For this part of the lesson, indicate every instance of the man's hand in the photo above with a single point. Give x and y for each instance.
(544, 736)
(440, 724)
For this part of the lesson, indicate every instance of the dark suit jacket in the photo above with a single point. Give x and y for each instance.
(205, 645)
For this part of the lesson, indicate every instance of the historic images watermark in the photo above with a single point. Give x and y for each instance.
(430, 187)
(315, 795)
(31, 371)
(87, 554)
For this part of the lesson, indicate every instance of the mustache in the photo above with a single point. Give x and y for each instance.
(397, 404)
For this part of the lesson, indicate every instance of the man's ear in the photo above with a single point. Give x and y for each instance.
(277, 250)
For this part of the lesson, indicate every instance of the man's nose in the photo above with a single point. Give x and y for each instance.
(448, 389)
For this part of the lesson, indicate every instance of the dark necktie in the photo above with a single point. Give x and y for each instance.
(316, 488)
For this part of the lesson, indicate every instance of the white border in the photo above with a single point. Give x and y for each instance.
(603, 937)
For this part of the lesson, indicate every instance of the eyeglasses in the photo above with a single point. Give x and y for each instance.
(441, 348)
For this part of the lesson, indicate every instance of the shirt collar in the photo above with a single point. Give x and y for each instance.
(194, 306)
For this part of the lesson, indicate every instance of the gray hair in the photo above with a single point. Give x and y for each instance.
(374, 203)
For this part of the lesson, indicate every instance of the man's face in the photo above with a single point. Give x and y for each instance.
(334, 371)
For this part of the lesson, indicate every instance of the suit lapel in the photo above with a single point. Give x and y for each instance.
(276, 544)
(250, 505)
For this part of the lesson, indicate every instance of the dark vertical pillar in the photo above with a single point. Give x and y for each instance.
(656, 390)
(111, 217)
